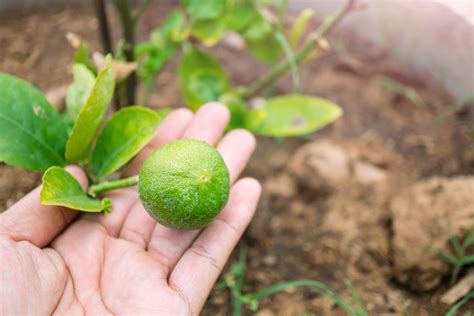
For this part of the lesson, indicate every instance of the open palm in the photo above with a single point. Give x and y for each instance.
(54, 260)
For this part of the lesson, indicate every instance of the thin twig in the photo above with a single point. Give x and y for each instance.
(103, 25)
(312, 41)
(124, 10)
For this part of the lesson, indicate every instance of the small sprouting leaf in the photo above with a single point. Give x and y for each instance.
(300, 26)
(60, 188)
(201, 78)
(124, 135)
(170, 30)
(88, 121)
(81, 56)
(240, 16)
(204, 9)
(163, 42)
(209, 32)
(292, 115)
(32, 133)
(79, 91)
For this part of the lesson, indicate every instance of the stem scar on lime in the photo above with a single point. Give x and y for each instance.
(184, 184)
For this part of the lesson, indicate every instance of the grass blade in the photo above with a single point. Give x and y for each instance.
(356, 297)
(467, 260)
(315, 285)
(452, 311)
(458, 249)
(447, 257)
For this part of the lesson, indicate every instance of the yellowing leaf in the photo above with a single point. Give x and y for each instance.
(60, 188)
(292, 115)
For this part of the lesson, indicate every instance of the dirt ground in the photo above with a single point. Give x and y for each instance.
(334, 203)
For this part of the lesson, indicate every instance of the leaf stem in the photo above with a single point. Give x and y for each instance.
(105, 186)
(280, 69)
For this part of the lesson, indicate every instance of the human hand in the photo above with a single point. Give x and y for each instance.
(56, 261)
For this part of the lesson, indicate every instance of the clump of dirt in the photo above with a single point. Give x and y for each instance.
(14, 184)
(333, 203)
(423, 217)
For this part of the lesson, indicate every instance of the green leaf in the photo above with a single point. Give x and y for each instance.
(204, 9)
(209, 32)
(300, 26)
(32, 133)
(207, 84)
(292, 115)
(60, 188)
(240, 16)
(170, 30)
(238, 111)
(88, 121)
(79, 91)
(266, 49)
(81, 56)
(258, 29)
(124, 135)
(201, 78)
(162, 44)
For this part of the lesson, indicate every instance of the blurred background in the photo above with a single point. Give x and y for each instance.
(369, 198)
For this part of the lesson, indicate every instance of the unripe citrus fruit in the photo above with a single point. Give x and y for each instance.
(184, 184)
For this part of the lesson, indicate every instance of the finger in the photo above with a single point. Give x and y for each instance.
(138, 226)
(29, 220)
(198, 269)
(124, 200)
(236, 149)
(170, 129)
(208, 123)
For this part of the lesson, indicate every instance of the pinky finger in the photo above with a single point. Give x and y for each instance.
(198, 269)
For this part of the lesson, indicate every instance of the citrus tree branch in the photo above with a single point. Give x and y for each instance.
(280, 69)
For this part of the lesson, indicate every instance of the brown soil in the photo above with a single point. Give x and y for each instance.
(335, 203)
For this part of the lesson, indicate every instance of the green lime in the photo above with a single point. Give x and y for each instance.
(184, 184)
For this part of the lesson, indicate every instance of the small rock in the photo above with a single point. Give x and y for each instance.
(367, 174)
(265, 312)
(282, 185)
(422, 218)
(321, 166)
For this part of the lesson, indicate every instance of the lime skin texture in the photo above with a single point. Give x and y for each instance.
(184, 184)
